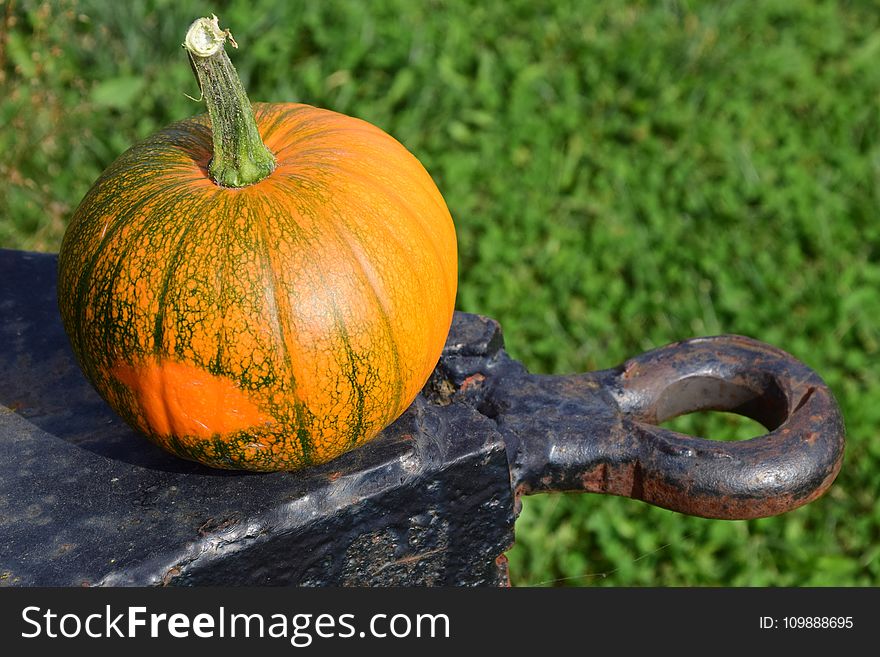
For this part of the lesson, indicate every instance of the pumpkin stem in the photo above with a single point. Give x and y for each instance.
(240, 156)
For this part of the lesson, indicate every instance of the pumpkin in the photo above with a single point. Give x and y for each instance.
(263, 287)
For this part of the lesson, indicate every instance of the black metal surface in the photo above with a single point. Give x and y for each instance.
(431, 501)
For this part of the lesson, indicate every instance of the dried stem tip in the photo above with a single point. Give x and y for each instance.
(204, 37)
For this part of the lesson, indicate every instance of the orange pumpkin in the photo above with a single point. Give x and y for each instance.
(269, 325)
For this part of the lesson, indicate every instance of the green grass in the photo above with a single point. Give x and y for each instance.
(622, 175)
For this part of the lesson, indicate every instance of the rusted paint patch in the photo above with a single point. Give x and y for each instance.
(472, 381)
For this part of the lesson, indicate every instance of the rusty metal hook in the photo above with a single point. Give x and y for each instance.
(598, 432)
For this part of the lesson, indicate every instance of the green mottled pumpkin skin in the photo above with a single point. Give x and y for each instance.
(268, 327)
